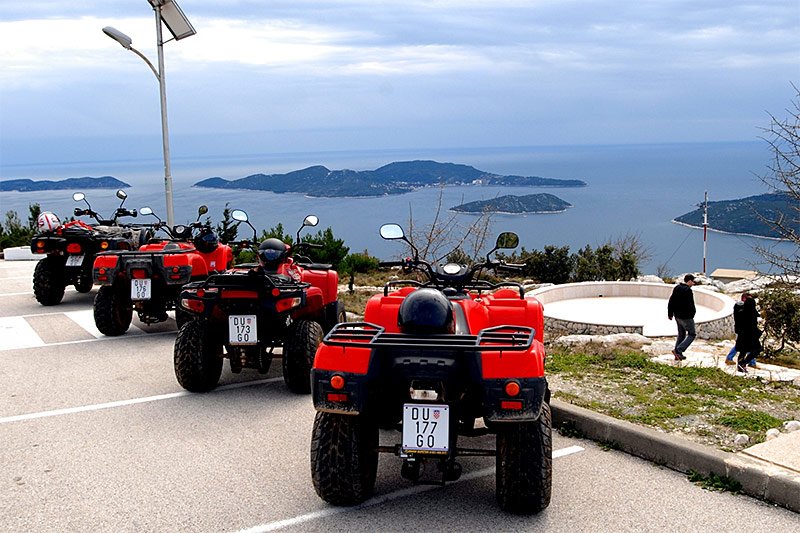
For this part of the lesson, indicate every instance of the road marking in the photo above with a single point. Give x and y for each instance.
(85, 319)
(377, 500)
(15, 332)
(124, 403)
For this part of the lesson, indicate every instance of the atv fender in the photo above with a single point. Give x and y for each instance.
(533, 392)
(327, 281)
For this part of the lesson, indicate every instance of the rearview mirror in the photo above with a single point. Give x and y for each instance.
(145, 211)
(507, 240)
(239, 215)
(121, 194)
(202, 210)
(78, 196)
(311, 220)
(392, 232)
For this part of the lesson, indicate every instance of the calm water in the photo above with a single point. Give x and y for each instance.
(632, 190)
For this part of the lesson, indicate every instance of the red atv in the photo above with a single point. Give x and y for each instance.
(71, 248)
(428, 361)
(149, 280)
(244, 314)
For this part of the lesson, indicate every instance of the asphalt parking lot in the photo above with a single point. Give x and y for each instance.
(97, 435)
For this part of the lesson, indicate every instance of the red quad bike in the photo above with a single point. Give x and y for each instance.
(71, 248)
(244, 314)
(428, 361)
(149, 280)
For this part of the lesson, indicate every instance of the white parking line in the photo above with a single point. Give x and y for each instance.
(15, 332)
(411, 491)
(85, 319)
(124, 403)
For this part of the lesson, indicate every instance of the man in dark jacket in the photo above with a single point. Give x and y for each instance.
(745, 323)
(681, 306)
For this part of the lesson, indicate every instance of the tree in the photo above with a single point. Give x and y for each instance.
(333, 250)
(14, 233)
(783, 137)
(780, 308)
(227, 229)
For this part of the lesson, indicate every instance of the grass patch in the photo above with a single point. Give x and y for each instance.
(715, 482)
(749, 421)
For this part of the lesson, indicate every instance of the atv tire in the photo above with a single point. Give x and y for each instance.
(525, 465)
(299, 349)
(198, 358)
(344, 458)
(48, 280)
(84, 285)
(113, 311)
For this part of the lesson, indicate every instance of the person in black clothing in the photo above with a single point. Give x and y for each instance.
(745, 324)
(681, 306)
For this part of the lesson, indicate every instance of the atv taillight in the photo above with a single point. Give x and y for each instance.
(193, 305)
(338, 397)
(511, 405)
(276, 292)
(138, 273)
(74, 248)
(175, 273)
(286, 304)
(40, 244)
(104, 245)
(337, 382)
(512, 388)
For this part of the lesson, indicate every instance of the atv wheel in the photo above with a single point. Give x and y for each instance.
(48, 280)
(344, 458)
(113, 311)
(301, 344)
(84, 285)
(198, 358)
(525, 465)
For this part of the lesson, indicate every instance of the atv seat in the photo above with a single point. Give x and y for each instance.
(316, 266)
(171, 246)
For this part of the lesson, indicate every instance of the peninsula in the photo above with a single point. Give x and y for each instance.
(530, 203)
(394, 178)
(78, 184)
(746, 216)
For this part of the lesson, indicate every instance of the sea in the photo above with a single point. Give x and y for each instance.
(632, 191)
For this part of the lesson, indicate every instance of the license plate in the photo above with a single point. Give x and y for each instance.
(74, 260)
(426, 428)
(242, 329)
(141, 289)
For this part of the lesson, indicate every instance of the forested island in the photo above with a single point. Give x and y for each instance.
(26, 185)
(511, 204)
(746, 216)
(394, 178)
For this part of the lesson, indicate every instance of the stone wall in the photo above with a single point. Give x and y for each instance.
(720, 328)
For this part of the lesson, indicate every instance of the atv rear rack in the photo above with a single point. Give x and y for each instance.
(366, 334)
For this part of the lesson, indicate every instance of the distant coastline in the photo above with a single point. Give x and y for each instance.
(723, 232)
(395, 178)
(85, 183)
(510, 204)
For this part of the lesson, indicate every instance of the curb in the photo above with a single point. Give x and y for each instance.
(758, 478)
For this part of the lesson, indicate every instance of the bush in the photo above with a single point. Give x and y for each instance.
(780, 308)
(14, 233)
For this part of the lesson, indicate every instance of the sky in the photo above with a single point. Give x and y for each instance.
(289, 76)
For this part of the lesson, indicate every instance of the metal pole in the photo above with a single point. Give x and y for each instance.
(162, 86)
(705, 231)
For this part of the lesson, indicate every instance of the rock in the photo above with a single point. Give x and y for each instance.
(649, 278)
(773, 433)
(791, 425)
(616, 339)
(741, 439)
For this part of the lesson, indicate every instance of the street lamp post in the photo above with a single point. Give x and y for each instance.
(169, 13)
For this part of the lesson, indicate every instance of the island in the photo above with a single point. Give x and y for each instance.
(394, 178)
(746, 216)
(511, 204)
(76, 184)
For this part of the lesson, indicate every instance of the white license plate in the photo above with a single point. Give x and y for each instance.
(74, 260)
(242, 329)
(426, 428)
(141, 289)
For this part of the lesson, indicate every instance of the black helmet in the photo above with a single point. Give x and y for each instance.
(271, 253)
(426, 311)
(206, 241)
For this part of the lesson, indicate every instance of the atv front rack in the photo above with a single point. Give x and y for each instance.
(366, 334)
(475, 285)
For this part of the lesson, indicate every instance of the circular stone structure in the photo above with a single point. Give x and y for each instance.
(607, 307)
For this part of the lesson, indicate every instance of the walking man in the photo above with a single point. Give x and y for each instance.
(681, 306)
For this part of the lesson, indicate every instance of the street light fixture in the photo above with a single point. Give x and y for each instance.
(168, 12)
